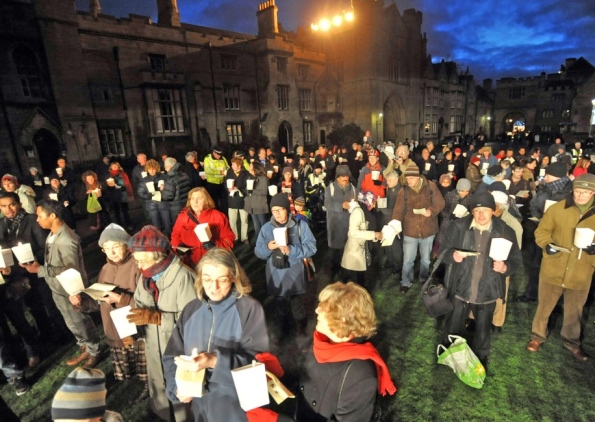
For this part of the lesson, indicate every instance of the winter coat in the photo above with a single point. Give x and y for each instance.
(451, 200)
(125, 274)
(391, 201)
(255, 201)
(302, 244)
(175, 192)
(234, 328)
(474, 176)
(460, 236)
(553, 191)
(235, 199)
(416, 225)
(143, 191)
(183, 233)
(558, 226)
(337, 218)
(354, 255)
(193, 175)
(176, 290)
(336, 391)
(214, 169)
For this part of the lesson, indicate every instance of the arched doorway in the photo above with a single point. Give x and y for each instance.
(48, 150)
(285, 136)
(394, 128)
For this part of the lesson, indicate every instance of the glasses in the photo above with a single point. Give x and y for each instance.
(583, 192)
(221, 281)
(144, 261)
(113, 248)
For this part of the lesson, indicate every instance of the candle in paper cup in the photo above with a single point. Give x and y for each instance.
(273, 190)
(189, 383)
(249, 184)
(202, 174)
(464, 154)
(485, 166)
(24, 253)
(296, 174)
(428, 166)
(6, 259)
(500, 248)
(375, 174)
(583, 237)
(59, 171)
(203, 232)
(323, 164)
(541, 172)
(46, 180)
(251, 385)
(269, 173)
(161, 183)
(276, 168)
(53, 196)
(143, 174)
(230, 183)
(451, 167)
(381, 203)
(111, 182)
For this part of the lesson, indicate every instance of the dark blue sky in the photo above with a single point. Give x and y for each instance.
(494, 38)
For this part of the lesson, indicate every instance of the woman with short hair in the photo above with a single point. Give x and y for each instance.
(342, 372)
(200, 209)
(222, 330)
(150, 190)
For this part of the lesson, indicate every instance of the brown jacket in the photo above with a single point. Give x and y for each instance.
(474, 176)
(417, 225)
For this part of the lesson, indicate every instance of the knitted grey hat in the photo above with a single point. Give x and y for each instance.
(114, 233)
(463, 184)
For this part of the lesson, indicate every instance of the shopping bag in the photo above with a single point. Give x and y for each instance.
(93, 205)
(463, 361)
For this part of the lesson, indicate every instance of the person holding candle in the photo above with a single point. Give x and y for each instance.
(289, 187)
(65, 195)
(255, 201)
(174, 191)
(149, 189)
(224, 329)
(63, 251)
(94, 192)
(26, 194)
(119, 194)
(200, 209)
(237, 174)
(215, 169)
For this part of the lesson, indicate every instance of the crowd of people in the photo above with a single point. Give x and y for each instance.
(189, 296)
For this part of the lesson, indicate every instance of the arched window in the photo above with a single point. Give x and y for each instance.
(28, 71)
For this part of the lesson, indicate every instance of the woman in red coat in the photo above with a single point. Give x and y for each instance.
(200, 209)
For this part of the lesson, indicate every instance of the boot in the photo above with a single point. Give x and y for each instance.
(82, 356)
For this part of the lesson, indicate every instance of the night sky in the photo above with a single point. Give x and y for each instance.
(494, 38)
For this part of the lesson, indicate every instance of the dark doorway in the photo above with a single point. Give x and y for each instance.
(48, 150)
(284, 136)
(322, 136)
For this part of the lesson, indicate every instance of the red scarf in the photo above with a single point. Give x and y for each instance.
(126, 180)
(325, 351)
(149, 283)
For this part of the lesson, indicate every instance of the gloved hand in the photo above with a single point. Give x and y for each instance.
(279, 260)
(128, 341)
(551, 251)
(590, 249)
(208, 245)
(377, 182)
(144, 316)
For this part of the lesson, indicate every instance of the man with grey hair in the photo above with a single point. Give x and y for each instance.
(192, 169)
(176, 187)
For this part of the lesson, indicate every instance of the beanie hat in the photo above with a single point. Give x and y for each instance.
(149, 239)
(500, 197)
(444, 177)
(318, 166)
(474, 159)
(10, 178)
(463, 184)
(558, 169)
(497, 187)
(34, 169)
(287, 169)
(114, 233)
(300, 201)
(457, 150)
(82, 396)
(484, 199)
(342, 170)
(495, 170)
(280, 200)
(239, 154)
(562, 147)
(412, 170)
(290, 156)
(585, 181)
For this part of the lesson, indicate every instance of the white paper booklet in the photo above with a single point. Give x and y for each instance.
(99, 290)
(203, 232)
(6, 259)
(419, 210)
(71, 281)
(123, 326)
(251, 385)
(381, 203)
(583, 237)
(500, 248)
(390, 231)
(280, 236)
(460, 211)
(24, 253)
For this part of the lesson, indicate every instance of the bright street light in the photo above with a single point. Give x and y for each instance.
(325, 24)
(337, 20)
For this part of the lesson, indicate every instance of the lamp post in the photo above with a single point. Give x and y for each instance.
(592, 121)
(378, 124)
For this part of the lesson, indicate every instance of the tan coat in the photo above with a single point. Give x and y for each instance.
(354, 255)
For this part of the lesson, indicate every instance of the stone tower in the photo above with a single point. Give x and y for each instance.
(167, 12)
(267, 19)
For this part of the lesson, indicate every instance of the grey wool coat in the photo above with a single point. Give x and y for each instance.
(337, 219)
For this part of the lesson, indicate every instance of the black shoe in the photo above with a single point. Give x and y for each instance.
(496, 330)
(20, 385)
(404, 289)
(484, 362)
(525, 299)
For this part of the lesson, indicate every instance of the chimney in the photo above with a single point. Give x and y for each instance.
(569, 62)
(94, 8)
(167, 12)
(267, 19)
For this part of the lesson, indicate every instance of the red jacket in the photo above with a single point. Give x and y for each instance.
(368, 184)
(183, 234)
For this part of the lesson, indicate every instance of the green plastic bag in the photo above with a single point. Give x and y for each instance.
(463, 361)
(93, 205)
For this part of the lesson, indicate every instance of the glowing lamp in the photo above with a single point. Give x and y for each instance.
(337, 20)
(324, 24)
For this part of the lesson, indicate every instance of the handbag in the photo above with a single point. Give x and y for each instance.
(93, 205)
(463, 361)
(435, 294)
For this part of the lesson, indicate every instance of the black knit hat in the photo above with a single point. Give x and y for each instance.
(149, 239)
(558, 169)
(495, 170)
(484, 199)
(280, 200)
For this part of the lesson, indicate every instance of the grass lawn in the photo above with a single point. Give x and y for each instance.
(520, 386)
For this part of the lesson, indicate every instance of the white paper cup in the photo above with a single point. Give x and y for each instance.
(451, 167)
(541, 172)
(323, 164)
(485, 166)
(59, 171)
(296, 174)
(46, 180)
(111, 182)
(270, 173)
(273, 190)
(230, 183)
(464, 154)
(161, 183)
(276, 168)
(143, 174)
(428, 166)
(375, 174)
(250, 184)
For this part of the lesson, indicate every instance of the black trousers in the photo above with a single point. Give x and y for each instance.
(455, 323)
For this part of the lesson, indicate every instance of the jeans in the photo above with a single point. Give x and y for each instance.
(258, 220)
(410, 245)
(160, 217)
